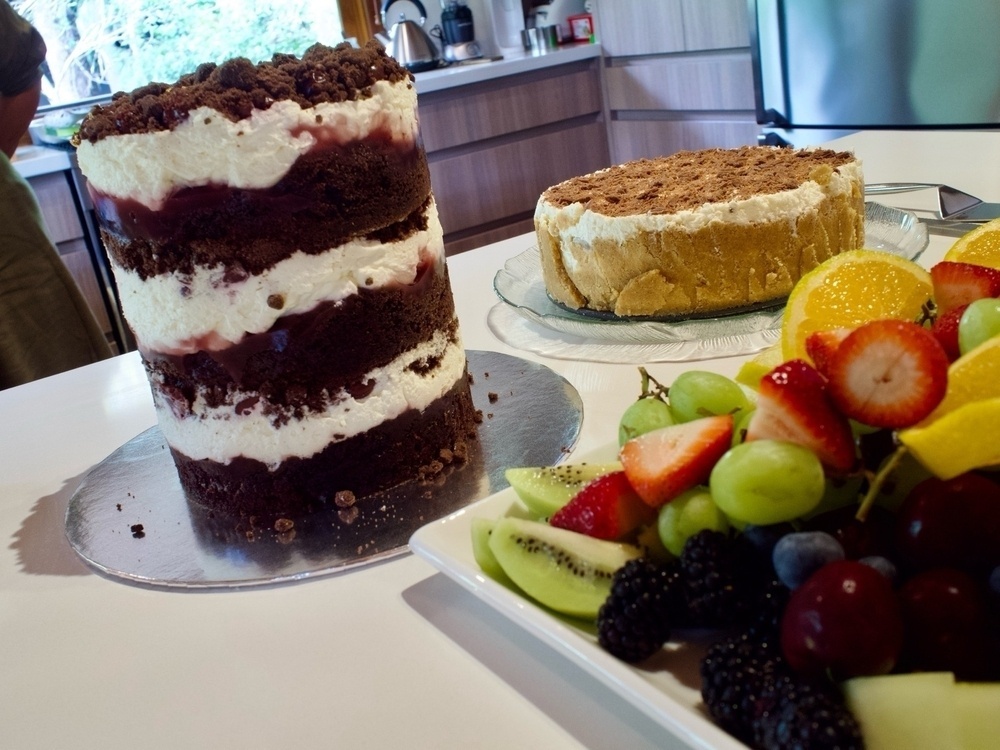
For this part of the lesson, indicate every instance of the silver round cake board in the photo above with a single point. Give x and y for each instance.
(131, 520)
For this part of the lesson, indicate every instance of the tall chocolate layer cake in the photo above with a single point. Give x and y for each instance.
(280, 260)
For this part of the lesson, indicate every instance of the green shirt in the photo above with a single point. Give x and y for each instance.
(46, 326)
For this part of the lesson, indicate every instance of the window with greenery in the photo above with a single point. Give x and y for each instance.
(97, 47)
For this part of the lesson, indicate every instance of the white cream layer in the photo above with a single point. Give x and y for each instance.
(582, 227)
(221, 434)
(182, 314)
(208, 149)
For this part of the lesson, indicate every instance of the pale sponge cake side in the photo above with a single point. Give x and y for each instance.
(698, 231)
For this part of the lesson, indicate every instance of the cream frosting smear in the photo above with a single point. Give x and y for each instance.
(220, 434)
(252, 153)
(181, 314)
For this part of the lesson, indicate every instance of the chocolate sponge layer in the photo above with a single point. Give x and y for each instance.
(366, 189)
(395, 452)
(305, 360)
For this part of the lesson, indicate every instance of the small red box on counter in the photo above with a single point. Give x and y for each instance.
(581, 27)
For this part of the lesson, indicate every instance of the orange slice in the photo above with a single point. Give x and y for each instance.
(850, 289)
(980, 246)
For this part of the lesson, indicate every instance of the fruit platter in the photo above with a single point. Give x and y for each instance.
(805, 555)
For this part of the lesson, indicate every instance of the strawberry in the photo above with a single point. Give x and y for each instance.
(820, 346)
(888, 373)
(661, 464)
(606, 508)
(958, 284)
(945, 330)
(793, 405)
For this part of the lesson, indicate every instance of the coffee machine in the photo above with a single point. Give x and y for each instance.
(457, 32)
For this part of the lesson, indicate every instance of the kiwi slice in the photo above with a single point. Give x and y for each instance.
(481, 529)
(545, 489)
(568, 572)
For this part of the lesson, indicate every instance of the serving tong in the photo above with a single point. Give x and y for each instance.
(958, 212)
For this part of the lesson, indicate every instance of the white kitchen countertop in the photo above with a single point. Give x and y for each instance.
(31, 161)
(512, 63)
(393, 655)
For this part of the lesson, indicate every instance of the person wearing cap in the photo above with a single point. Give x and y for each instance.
(46, 326)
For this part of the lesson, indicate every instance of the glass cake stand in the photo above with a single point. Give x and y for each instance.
(552, 330)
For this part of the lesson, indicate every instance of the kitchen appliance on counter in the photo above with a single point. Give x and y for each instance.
(457, 32)
(408, 43)
(508, 22)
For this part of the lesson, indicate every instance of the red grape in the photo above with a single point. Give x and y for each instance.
(946, 627)
(845, 618)
(951, 523)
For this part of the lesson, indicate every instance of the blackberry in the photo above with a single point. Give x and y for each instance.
(722, 576)
(814, 721)
(635, 620)
(734, 673)
(779, 688)
(769, 606)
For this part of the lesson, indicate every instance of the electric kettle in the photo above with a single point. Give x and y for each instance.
(409, 44)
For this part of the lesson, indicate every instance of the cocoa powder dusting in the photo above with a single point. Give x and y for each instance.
(237, 87)
(689, 179)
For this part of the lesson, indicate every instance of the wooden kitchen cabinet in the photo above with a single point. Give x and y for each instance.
(677, 75)
(639, 27)
(62, 222)
(715, 24)
(494, 147)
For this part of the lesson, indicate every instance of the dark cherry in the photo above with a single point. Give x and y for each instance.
(946, 626)
(873, 536)
(951, 523)
(845, 620)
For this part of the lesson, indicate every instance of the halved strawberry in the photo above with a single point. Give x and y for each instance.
(888, 373)
(793, 405)
(820, 346)
(945, 330)
(663, 463)
(606, 508)
(957, 284)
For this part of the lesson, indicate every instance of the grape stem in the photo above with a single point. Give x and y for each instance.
(658, 391)
(876, 480)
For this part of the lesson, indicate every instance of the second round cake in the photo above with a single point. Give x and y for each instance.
(698, 232)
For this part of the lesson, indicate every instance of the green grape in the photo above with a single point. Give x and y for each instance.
(979, 322)
(699, 393)
(686, 515)
(767, 481)
(645, 415)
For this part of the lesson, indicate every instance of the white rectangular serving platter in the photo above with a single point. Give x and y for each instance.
(666, 688)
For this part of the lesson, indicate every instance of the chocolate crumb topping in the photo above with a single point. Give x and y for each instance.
(237, 87)
(689, 179)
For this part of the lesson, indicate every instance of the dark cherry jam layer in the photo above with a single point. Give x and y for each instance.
(408, 447)
(305, 358)
(329, 196)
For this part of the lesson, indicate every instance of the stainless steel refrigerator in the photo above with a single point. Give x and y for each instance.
(859, 64)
